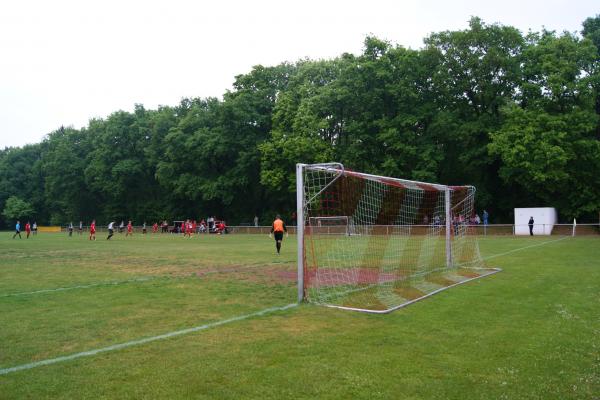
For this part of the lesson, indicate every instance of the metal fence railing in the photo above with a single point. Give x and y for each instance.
(480, 230)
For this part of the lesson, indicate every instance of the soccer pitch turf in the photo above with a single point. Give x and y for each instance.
(166, 317)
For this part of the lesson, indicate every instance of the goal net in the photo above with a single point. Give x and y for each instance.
(375, 244)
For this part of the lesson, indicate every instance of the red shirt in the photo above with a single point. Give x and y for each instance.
(129, 227)
(93, 228)
(27, 227)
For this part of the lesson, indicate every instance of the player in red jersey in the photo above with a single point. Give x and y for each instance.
(155, 228)
(129, 229)
(93, 230)
(187, 228)
(28, 229)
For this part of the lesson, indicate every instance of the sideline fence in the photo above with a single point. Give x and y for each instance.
(480, 230)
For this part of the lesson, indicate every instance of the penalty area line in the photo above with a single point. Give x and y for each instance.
(91, 285)
(5, 371)
(524, 248)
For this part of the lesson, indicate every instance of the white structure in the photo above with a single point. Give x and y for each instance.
(544, 220)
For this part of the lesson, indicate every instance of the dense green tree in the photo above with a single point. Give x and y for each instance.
(16, 208)
(21, 176)
(517, 116)
(591, 31)
(547, 144)
(478, 72)
(63, 163)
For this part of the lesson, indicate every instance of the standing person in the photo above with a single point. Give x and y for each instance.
(92, 229)
(34, 228)
(70, 229)
(17, 229)
(27, 230)
(256, 220)
(155, 227)
(144, 228)
(185, 227)
(530, 223)
(277, 228)
(80, 231)
(455, 224)
(121, 226)
(129, 229)
(111, 230)
(485, 216)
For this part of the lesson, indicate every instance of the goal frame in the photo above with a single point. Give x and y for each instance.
(301, 201)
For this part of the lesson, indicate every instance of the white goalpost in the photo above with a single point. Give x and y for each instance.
(375, 244)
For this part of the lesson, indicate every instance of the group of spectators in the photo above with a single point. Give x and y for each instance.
(458, 219)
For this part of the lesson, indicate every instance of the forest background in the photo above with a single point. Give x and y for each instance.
(516, 115)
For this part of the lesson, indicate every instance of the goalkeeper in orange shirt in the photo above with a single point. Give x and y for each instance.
(277, 228)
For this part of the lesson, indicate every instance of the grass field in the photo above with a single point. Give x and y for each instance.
(529, 332)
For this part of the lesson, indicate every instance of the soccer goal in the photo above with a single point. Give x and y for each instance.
(375, 244)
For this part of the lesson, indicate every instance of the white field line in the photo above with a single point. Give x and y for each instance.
(199, 274)
(5, 371)
(91, 285)
(525, 248)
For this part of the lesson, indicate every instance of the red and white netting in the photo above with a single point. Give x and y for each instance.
(376, 243)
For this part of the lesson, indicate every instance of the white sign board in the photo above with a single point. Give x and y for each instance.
(544, 219)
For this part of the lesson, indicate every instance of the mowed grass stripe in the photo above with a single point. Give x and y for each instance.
(47, 326)
(530, 332)
(138, 342)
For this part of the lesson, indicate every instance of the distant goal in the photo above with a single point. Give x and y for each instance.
(375, 244)
(332, 225)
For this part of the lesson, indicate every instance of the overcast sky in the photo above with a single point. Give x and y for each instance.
(63, 62)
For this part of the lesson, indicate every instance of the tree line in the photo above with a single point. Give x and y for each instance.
(517, 115)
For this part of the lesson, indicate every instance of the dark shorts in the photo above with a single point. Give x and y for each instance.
(278, 236)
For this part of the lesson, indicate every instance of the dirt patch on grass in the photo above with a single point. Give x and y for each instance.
(440, 280)
(468, 273)
(263, 274)
(409, 292)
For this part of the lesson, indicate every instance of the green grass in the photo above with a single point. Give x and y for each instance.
(531, 331)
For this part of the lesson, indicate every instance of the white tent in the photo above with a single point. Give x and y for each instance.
(544, 220)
